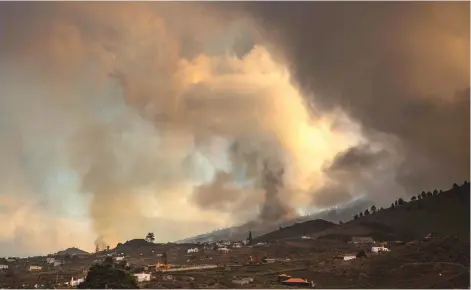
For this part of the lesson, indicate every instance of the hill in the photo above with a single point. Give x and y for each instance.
(297, 230)
(446, 213)
(72, 251)
(337, 214)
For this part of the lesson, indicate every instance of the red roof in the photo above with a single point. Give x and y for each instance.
(295, 280)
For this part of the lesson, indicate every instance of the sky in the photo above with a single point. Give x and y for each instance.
(119, 119)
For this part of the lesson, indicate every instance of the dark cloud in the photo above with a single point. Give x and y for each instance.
(398, 68)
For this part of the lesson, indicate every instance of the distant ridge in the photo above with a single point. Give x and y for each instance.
(72, 251)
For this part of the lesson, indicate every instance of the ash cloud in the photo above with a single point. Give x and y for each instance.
(400, 69)
(123, 96)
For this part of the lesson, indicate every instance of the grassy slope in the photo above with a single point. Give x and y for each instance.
(297, 230)
(446, 214)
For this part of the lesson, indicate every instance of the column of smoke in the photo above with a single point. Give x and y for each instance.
(273, 209)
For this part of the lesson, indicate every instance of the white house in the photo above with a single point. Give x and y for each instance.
(379, 249)
(224, 250)
(349, 257)
(35, 268)
(57, 263)
(74, 283)
(306, 237)
(141, 277)
(3, 267)
(119, 258)
(237, 245)
(50, 260)
(193, 250)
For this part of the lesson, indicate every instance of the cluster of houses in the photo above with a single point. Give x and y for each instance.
(49, 260)
(375, 247)
(221, 246)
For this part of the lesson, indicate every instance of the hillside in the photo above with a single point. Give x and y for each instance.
(72, 251)
(337, 214)
(446, 213)
(297, 230)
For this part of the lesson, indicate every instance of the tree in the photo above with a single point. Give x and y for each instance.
(413, 198)
(392, 205)
(249, 239)
(108, 261)
(429, 194)
(367, 212)
(150, 237)
(441, 191)
(373, 209)
(381, 209)
(164, 258)
(340, 222)
(435, 192)
(361, 254)
(395, 203)
(107, 248)
(455, 186)
(361, 214)
(355, 217)
(400, 201)
(422, 194)
(105, 276)
(419, 196)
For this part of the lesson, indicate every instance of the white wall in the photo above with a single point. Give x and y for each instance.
(142, 277)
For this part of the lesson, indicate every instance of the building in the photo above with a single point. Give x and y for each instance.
(35, 268)
(237, 245)
(298, 282)
(269, 261)
(224, 250)
(306, 237)
(74, 282)
(362, 240)
(141, 277)
(57, 263)
(349, 257)
(283, 277)
(121, 258)
(3, 267)
(193, 250)
(50, 260)
(379, 249)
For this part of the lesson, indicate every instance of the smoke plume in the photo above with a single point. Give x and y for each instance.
(118, 119)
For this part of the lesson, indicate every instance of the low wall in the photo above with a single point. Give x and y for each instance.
(189, 268)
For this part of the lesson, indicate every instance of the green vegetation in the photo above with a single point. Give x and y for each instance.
(107, 276)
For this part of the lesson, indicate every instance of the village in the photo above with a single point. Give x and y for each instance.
(233, 264)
